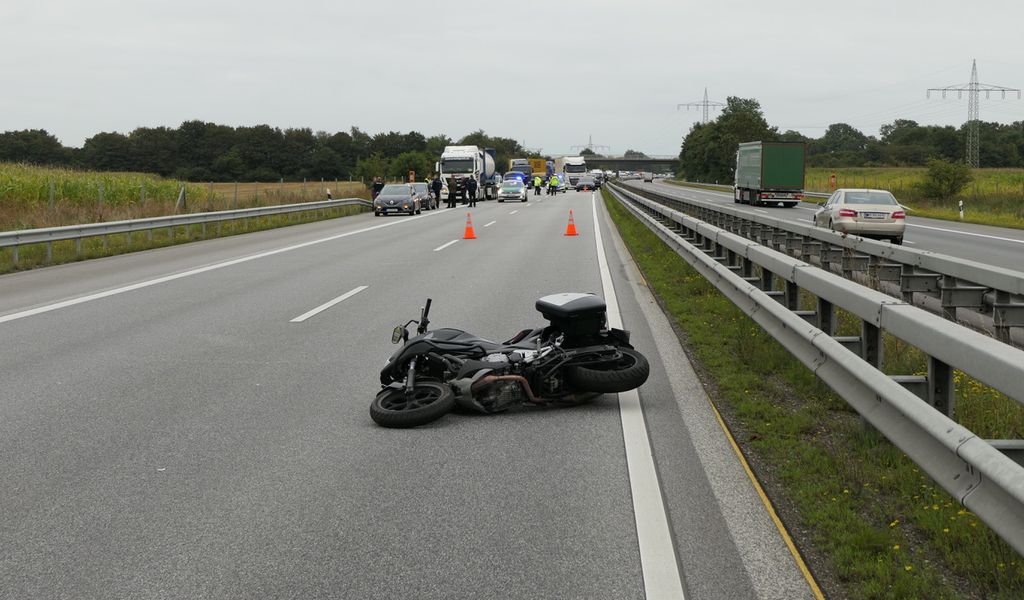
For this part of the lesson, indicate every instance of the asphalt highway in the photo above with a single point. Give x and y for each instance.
(192, 422)
(997, 246)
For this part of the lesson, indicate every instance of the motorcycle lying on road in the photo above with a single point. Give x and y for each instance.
(573, 359)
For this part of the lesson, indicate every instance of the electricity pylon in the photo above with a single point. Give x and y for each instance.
(973, 90)
(590, 146)
(704, 104)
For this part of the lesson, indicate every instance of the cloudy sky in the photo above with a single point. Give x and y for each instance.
(550, 74)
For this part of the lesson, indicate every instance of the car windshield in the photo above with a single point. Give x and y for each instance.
(586, 179)
(575, 168)
(457, 165)
(512, 185)
(880, 197)
(395, 190)
(420, 187)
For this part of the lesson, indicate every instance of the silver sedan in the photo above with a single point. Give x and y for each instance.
(867, 213)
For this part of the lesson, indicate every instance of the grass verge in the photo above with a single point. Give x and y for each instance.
(38, 255)
(872, 524)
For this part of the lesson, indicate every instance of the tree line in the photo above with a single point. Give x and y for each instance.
(709, 149)
(201, 151)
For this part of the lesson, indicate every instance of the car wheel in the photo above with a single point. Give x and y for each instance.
(898, 240)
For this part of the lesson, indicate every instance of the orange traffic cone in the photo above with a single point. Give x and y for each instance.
(571, 228)
(470, 234)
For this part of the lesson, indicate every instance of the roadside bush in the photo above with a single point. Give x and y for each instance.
(945, 179)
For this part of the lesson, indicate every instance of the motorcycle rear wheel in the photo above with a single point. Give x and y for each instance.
(428, 401)
(628, 372)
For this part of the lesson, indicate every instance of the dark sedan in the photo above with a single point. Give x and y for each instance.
(426, 197)
(586, 182)
(397, 198)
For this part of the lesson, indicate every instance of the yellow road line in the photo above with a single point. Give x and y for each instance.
(768, 506)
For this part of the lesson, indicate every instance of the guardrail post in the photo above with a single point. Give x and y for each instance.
(767, 280)
(826, 317)
(941, 386)
(49, 252)
(792, 296)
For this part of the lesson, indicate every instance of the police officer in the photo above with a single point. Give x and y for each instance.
(552, 185)
(471, 190)
(435, 185)
(537, 182)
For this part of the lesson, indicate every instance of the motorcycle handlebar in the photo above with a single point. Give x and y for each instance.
(424, 321)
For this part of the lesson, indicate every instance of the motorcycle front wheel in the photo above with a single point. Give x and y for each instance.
(428, 401)
(629, 371)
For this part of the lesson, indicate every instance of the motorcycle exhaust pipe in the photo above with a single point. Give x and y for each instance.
(487, 380)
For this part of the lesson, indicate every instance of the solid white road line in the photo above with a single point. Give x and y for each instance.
(981, 235)
(513, 212)
(443, 246)
(228, 263)
(805, 220)
(491, 223)
(657, 552)
(760, 211)
(327, 305)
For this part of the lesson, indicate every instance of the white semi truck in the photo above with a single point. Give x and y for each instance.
(574, 167)
(459, 164)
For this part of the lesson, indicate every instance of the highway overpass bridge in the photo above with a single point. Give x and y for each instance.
(619, 163)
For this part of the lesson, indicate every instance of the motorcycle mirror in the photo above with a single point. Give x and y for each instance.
(397, 334)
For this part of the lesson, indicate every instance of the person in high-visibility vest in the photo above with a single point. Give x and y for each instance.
(552, 185)
(537, 182)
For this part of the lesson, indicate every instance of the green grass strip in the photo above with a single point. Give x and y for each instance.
(881, 527)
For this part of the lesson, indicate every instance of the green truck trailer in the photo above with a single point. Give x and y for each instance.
(770, 173)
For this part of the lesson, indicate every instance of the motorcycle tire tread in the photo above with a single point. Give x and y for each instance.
(405, 419)
(610, 381)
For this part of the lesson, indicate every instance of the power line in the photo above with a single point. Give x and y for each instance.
(705, 104)
(973, 90)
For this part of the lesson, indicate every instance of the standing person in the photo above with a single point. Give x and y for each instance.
(552, 185)
(378, 185)
(435, 185)
(471, 190)
(536, 185)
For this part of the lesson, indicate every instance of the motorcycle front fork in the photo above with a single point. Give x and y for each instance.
(410, 379)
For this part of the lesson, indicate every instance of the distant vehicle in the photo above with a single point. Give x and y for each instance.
(521, 165)
(769, 173)
(539, 166)
(563, 183)
(573, 166)
(427, 201)
(512, 189)
(397, 198)
(518, 176)
(867, 213)
(585, 181)
(459, 164)
(598, 176)
(647, 176)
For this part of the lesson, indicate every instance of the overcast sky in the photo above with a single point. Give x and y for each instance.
(547, 73)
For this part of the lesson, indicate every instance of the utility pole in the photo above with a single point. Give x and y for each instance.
(705, 104)
(973, 90)
(590, 146)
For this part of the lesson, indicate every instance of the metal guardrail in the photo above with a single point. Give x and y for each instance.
(731, 188)
(993, 293)
(914, 412)
(47, 235)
